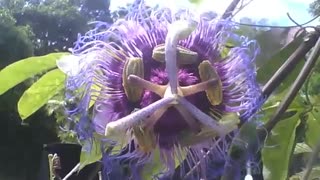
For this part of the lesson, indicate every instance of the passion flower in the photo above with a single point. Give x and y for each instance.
(163, 81)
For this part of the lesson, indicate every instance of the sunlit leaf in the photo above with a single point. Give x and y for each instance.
(279, 148)
(274, 101)
(40, 93)
(95, 92)
(154, 167)
(312, 129)
(21, 70)
(302, 148)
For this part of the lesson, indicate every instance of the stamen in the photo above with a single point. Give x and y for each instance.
(133, 66)
(156, 88)
(207, 72)
(184, 55)
(203, 86)
(178, 30)
(140, 117)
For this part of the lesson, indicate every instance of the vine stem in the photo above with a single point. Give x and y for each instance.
(297, 84)
(72, 171)
(311, 161)
(228, 12)
(289, 65)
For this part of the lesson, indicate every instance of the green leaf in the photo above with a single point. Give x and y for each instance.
(312, 131)
(279, 148)
(21, 70)
(155, 166)
(302, 148)
(91, 156)
(95, 92)
(152, 168)
(40, 93)
(245, 142)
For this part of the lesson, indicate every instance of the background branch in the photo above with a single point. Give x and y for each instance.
(297, 84)
(289, 65)
(232, 6)
(311, 161)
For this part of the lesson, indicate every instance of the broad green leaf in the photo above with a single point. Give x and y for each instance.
(21, 70)
(92, 155)
(313, 126)
(40, 93)
(271, 105)
(279, 148)
(155, 166)
(302, 148)
(246, 142)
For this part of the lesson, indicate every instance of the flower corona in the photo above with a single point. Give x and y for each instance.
(163, 81)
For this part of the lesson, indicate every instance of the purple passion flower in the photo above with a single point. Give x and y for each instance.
(163, 82)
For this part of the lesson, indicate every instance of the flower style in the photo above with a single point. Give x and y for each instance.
(163, 80)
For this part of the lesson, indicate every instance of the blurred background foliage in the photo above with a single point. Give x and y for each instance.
(32, 28)
(38, 27)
